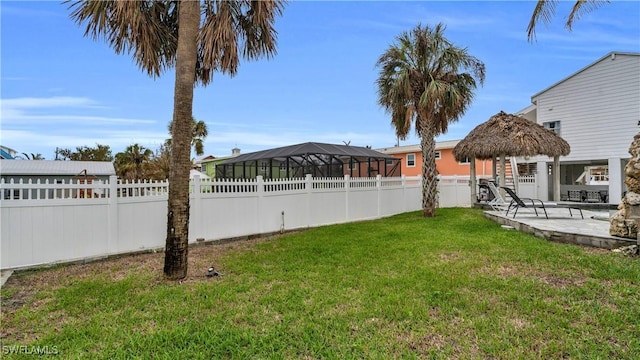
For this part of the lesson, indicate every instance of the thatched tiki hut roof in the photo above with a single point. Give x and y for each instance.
(510, 135)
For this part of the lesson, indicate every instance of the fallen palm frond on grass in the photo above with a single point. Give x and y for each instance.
(453, 286)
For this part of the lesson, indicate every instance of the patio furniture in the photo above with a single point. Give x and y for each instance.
(593, 196)
(575, 195)
(535, 204)
(497, 203)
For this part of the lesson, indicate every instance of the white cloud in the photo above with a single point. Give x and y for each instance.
(25, 110)
(17, 117)
(50, 102)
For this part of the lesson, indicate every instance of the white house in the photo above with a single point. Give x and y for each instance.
(54, 172)
(597, 111)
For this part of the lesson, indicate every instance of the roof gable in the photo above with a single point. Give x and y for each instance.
(207, 158)
(612, 55)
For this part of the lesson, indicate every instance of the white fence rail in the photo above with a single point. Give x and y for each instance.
(46, 223)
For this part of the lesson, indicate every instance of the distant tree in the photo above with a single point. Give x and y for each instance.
(32, 156)
(160, 163)
(422, 81)
(197, 38)
(545, 10)
(131, 163)
(199, 132)
(85, 153)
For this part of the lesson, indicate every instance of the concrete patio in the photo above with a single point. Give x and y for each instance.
(564, 228)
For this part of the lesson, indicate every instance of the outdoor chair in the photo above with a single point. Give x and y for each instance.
(575, 195)
(535, 204)
(497, 203)
(593, 196)
(604, 195)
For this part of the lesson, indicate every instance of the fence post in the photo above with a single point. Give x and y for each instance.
(379, 190)
(112, 216)
(456, 190)
(260, 193)
(473, 182)
(404, 192)
(347, 186)
(308, 184)
(196, 209)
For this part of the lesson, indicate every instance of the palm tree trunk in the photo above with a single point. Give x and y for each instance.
(429, 176)
(176, 250)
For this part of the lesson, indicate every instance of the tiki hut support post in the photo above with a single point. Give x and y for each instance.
(474, 195)
(556, 178)
(503, 175)
(494, 168)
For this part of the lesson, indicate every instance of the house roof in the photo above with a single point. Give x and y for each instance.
(193, 173)
(400, 149)
(55, 167)
(440, 145)
(527, 110)
(610, 55)
(309, 148)
(205, 158)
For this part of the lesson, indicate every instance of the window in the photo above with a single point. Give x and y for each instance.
(553, 126)
(389, 162)
(203, 168)
(353, 165)
(465, 161)
(411, 160)
(438, 155)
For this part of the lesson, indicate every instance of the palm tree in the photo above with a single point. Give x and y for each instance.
(199, 133)
(422, 83)
(33, 156)
(546, 9)
(130, 163)
(160, 37)
(160, 164)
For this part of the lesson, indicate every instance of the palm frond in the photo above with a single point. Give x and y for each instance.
(582, 7)
(544, 10)
(147, 29)
(232, 29)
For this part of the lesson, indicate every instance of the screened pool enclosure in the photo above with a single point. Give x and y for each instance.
(317, 159)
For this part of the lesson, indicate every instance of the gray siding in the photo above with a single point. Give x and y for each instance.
(598, 108)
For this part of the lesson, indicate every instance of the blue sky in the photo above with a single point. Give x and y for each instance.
(60, 89)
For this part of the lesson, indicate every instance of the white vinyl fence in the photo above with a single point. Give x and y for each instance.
(46, 223)
(43, 223)
(527, 187)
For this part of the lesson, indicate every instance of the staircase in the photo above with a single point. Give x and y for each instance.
(510, 171)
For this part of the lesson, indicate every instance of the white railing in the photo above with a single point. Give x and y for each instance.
(527, 179)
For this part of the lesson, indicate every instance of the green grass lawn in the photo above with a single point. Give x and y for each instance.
(454, 286)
